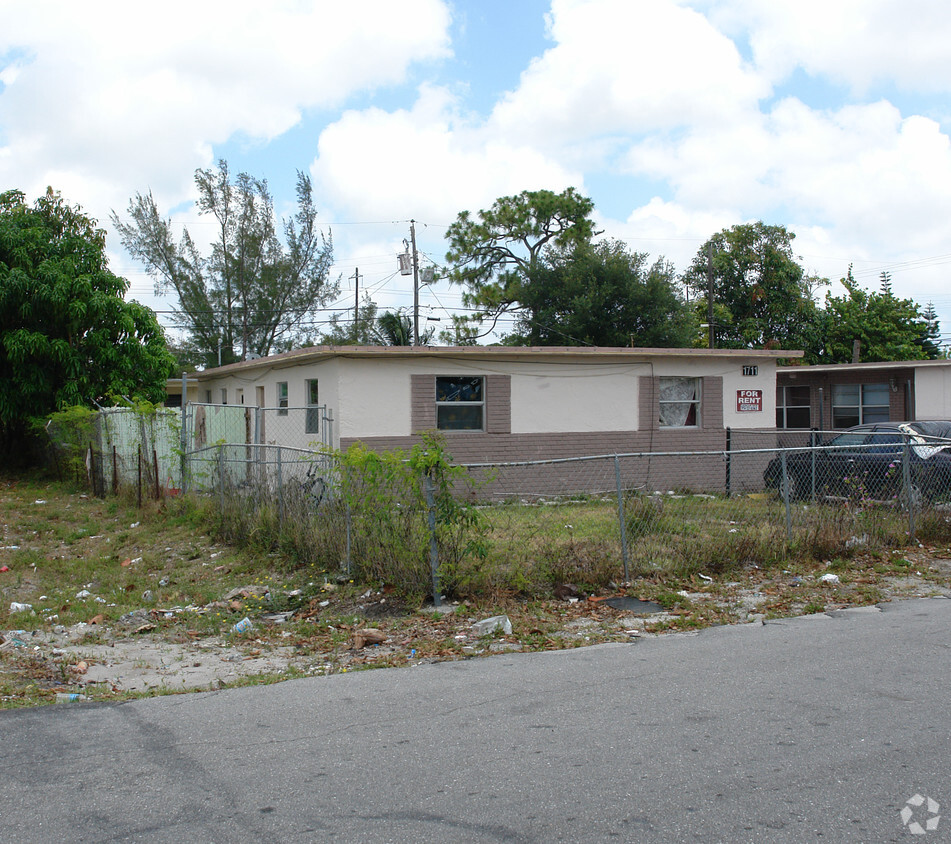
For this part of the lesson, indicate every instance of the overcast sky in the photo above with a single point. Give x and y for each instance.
(677, 118)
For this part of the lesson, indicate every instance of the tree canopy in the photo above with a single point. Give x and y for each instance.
(534, 255)
(496, 254)
(764, 298)
(887, 328)
(253, 290)
(602, 295)
(67, 336)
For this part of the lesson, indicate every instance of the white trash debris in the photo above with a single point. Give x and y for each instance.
(16, 606)
(492, 625)
(829, 578)
(243, 626)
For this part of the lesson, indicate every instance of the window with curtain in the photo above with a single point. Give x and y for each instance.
(679, 402)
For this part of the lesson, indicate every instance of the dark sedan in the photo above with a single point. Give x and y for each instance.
(867, 461)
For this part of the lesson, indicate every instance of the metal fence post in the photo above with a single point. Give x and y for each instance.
(280, 488)
(909, 489)
(729, 462)
(433, 546)
(221, 476)
(620, 517)
(184, 432)
(813, 442)
(782, 460)
(348, 518)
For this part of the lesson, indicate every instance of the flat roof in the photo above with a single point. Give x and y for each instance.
(313, 354)
(859, 367)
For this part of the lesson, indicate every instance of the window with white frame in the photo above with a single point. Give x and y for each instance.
(859, 404)
(792, 407)
(679, 402)
(282, 398)
(460, 403)
(312, 422)
(224, 395)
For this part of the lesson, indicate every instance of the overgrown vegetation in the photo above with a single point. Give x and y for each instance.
(373, 524)
(106, 573)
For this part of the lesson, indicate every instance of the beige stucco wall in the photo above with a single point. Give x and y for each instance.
(933, 392)
(371, 397)
(734, 380)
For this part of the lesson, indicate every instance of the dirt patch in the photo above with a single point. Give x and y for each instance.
(113, 602)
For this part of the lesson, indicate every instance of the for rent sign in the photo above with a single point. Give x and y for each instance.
(749, 401)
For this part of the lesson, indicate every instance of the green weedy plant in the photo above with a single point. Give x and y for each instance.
(385, 495)
(70, 432)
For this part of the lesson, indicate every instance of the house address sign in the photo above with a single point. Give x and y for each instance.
(749, 401)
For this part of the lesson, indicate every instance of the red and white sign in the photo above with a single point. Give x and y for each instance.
(749, 401)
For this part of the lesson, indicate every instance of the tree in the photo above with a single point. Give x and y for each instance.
(359, 330)
(887, 328)
(602, 295)
(67, 336)
(496, 255)
(395, 328)
(252, 290)
(766, 299)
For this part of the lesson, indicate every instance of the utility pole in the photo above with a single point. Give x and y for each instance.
(412, 235)
(356, 297)
(710, 295)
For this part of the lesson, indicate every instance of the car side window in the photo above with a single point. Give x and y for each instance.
(885, 443)
(849, 440)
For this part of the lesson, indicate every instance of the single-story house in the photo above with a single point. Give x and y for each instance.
(497, 403)
(834, 396)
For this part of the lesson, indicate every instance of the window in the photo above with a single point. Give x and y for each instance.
(460, 403)
(224, 395)
(239, 396)
(679, 402)
(792, 407)
(207, 396)
(312, 422)
(282, 398)
(859, 404)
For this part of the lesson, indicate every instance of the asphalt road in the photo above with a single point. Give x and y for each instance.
(819, 728)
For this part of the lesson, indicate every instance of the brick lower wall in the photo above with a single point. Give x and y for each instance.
(649, 473)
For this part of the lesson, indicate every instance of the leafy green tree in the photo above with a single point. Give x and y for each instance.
(602, 295)
(888, 328)
(765, 299)
(359, 330)
(253, 290)
(395, 328)
(67, 336)
(931, 343)
(496, 254)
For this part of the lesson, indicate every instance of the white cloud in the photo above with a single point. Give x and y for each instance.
(115, 98)
(864, 170)
(429, 162)
(619, 66)
(858, 43)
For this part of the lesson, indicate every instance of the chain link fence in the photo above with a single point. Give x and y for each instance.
(590, 519)
(763, 499)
